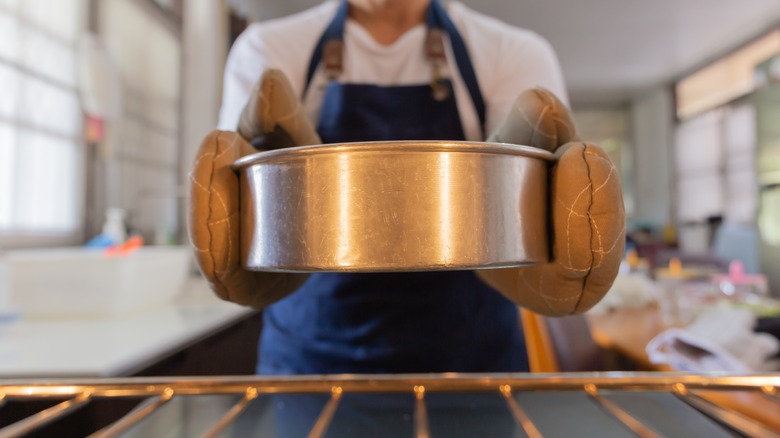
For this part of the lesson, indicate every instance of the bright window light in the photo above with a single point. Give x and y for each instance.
(41, 152)
(47, 168)
(9, 89)
(61, 18)
(48, 57)
(7, 168)
(49, 108)
(726, 79)
(10, 5)
(10, 43)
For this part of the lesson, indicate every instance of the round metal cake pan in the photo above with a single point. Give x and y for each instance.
(394, 206)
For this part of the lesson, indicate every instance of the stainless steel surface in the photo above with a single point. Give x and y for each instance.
(532, 390)
(394, 206)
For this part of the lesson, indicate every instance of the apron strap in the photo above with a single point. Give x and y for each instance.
(436, 17)
(334, 31)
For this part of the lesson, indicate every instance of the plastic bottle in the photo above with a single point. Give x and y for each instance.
(114, 227)
(670, 285)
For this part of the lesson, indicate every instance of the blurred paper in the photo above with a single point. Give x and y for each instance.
(720, 339)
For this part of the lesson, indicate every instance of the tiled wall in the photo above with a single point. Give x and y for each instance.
(144, 146)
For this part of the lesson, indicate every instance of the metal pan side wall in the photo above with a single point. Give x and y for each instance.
(394, 207)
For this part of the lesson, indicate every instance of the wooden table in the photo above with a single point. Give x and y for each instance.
(628, 331)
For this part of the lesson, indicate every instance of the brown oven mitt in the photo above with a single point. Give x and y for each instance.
(271, 119)
(587, 218)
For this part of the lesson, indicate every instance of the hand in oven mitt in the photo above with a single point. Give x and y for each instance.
(272, 119)
(587, 218)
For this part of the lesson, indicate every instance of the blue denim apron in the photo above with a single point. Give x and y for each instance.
(448, 321)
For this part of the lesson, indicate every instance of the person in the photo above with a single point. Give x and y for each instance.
(384, 51)
(376, 70)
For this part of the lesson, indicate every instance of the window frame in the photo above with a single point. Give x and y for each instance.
(12, 238)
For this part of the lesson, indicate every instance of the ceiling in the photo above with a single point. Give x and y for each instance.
(612, 50)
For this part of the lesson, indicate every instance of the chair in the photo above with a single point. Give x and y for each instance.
(542, 357)
(561, 344)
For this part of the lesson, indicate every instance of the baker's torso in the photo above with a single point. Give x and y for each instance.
(391, 322)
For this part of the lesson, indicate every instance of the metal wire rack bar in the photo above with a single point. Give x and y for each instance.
(321, 426)
(420, 413)
(147, 408)
(232, 414)
(450, 382)
(44, 417)
(160, 390)
(520, 416)
(636, 426)
(731, 419)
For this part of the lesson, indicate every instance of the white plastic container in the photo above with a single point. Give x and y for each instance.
(80, 282)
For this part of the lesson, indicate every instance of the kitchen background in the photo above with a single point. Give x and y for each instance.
(104, 103)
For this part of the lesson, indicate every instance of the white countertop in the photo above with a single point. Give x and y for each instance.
(117, 346)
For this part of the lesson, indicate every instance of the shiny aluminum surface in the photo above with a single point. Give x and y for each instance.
(394, 206)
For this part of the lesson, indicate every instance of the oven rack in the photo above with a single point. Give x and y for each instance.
(158, 391)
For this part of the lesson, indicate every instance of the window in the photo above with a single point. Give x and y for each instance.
(716, 145)
(715, 164)
(726, 79)
(41, 154)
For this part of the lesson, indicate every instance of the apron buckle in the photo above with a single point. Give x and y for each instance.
(439, 89)
(436, 55)
(333, 54)
(434, 45)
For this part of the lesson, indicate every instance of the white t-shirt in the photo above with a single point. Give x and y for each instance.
(506, 61)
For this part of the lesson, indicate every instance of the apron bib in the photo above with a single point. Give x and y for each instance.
(448, 321)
